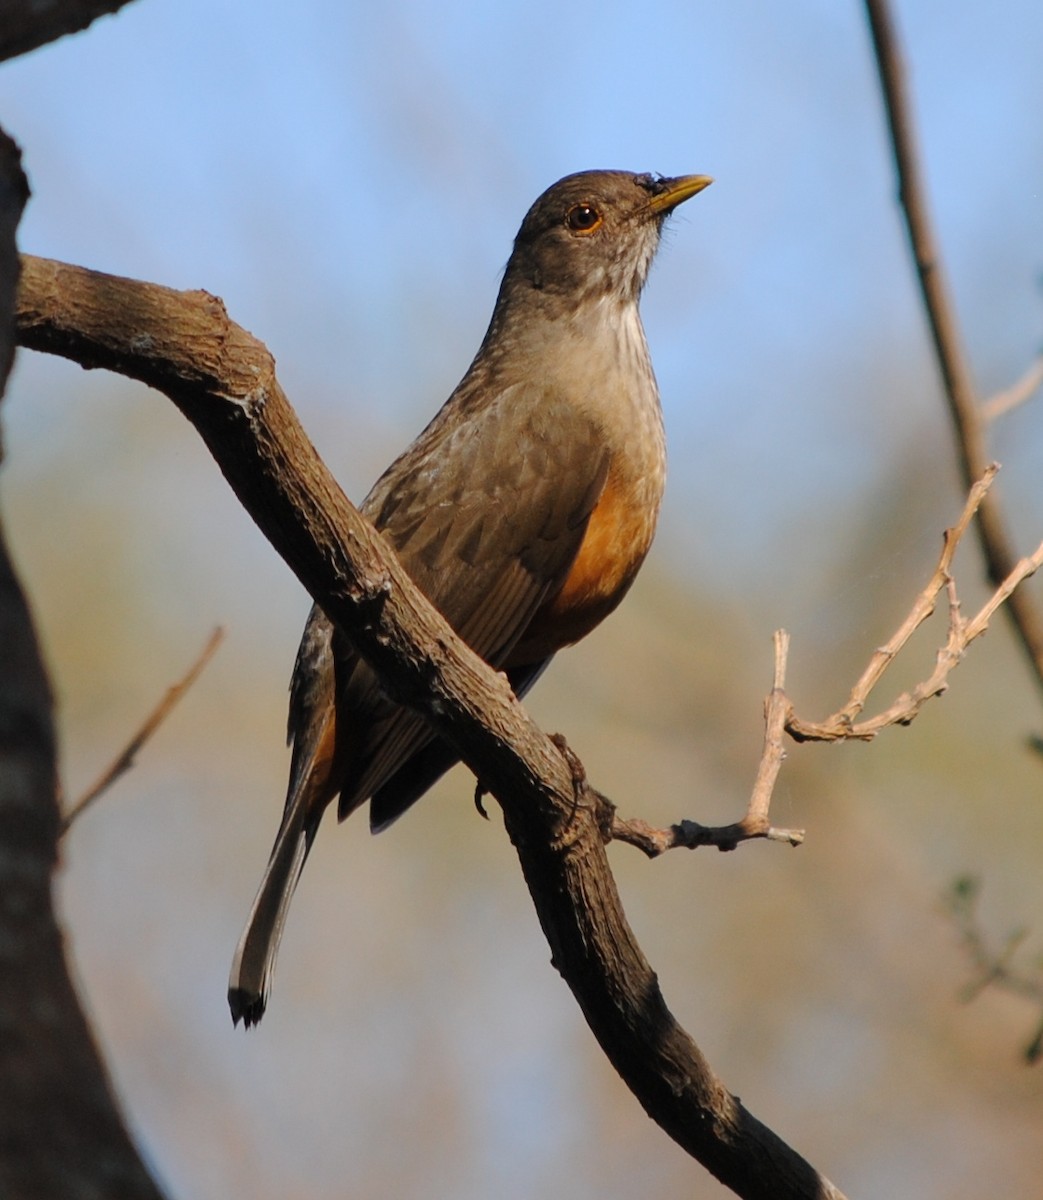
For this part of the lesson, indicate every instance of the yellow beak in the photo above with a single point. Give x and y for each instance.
(676, 191)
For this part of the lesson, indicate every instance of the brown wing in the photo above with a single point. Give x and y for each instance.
(427, 764)
(487, 511)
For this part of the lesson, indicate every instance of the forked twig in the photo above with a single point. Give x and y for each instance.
(125, 759)
(844, 724)
(755, 824)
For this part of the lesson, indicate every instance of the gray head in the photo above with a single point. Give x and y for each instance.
(595, 233)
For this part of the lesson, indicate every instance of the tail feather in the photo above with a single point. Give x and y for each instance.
(254, 963)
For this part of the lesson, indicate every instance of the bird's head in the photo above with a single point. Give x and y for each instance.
(596, 233)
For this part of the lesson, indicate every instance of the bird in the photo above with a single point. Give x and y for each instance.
(522, 511)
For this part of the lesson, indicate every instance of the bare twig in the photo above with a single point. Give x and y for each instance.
(125, 759)
(1017, 394)
(843, 725)
(1000, 557)
(922, 608)
(690, 835)
(994, 967)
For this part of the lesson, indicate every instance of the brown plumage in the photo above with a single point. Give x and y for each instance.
(523, 511)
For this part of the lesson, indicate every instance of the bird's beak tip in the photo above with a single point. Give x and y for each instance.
(676, 191)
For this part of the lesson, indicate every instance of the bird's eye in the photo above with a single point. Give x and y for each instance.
(583, 218)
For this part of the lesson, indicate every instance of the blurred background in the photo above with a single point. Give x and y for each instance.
(348, 178)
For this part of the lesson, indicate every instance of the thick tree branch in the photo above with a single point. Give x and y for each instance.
(1000, 557)
(61, 1136)
(224, 382)
(27, 24)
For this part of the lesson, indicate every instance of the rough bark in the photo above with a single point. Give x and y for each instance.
(61, 1135)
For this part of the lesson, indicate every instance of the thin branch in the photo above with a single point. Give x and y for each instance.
(842, 725)
(125, 759)
(994, 966)
(922, 608)
(1000, 557)
(1020, 392)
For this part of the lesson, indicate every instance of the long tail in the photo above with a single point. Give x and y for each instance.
(251, 976)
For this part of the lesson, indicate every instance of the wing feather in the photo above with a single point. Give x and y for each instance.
(486, 511)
